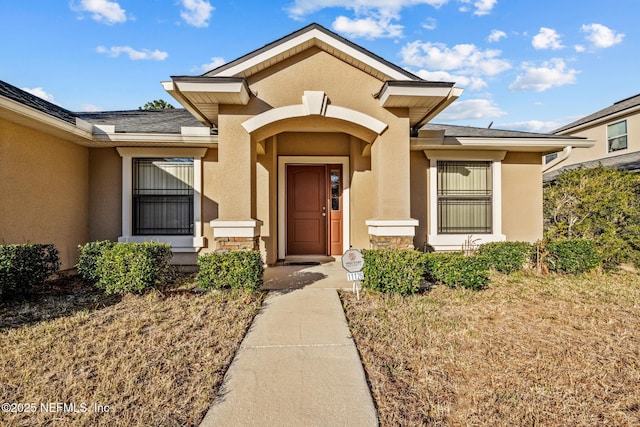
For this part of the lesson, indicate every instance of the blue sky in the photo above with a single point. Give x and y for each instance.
(525, 64)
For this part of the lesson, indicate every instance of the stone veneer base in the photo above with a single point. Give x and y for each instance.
(391, 242)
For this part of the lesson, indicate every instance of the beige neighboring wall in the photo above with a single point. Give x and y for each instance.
(598, 133)
(105, 195)
(44, 190)
(522, 197)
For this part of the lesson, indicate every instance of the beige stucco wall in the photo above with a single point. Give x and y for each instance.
(44, 190)
(598, 134)
(420, 196)
(212, 187)
(522, 197)
(105, 194)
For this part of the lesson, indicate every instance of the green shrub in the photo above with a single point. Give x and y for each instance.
(398, 271)
(235, 269)
(133, 267)
(456, 270)
(507, 257)
(23, 266)
(88, 260)
(572, 256)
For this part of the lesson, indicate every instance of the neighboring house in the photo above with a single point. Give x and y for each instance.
(308, 145)
(615, 131)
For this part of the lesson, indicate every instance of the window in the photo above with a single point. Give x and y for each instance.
(163, 196)
(617, 136)
(336, 191)
(464, 190)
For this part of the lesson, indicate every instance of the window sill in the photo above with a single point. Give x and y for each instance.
(454, 242)
(178, 243)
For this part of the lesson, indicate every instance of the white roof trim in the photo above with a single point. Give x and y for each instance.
(313, 34)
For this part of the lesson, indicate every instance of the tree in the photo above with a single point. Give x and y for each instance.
(156, 104)
(602, 204)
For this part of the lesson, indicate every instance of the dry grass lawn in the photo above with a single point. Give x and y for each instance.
(153, 360)
(552, 351)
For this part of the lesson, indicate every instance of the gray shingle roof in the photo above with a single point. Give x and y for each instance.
(630, 162)
(619, 106)
(25, 98)
(143, 121)
(475, 132)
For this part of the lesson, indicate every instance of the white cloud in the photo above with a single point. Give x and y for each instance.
(496, 35)
(482, 7)
(579, 48)
(430, 24)
(467, 82)
(471, 109)
(89, 108)
(136, 55)
(466, 58)
(196, 12)
(537, 126)
(216, 61)
(369, 27)
(104, 11)
(300, 8)
(547, 38)
(40, 93)
(601, 36)
(552, 73)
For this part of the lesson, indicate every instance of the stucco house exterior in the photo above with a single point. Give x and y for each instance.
(614, 131)
(308, 145)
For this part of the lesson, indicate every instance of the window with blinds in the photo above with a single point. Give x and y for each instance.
(464, 197)
(163, 196)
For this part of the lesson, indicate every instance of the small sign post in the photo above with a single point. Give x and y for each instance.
(353, 262)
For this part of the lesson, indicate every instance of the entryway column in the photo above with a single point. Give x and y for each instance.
(390, 162)
(236, 227)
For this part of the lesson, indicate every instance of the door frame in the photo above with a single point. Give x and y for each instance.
(283, 161)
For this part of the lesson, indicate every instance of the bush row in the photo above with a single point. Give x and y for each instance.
(404, 271)
(24, 266)
(138, 267)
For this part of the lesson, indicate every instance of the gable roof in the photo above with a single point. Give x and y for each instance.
(144, 121)
(312, 35)
(618, 108)
(476, 132)
(25, 98)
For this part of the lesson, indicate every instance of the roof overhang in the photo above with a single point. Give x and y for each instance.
(424, 99)
(202, 95)
(536, 145)
(79, 133)
(313, 35)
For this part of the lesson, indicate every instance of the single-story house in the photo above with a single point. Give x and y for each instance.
(308, 145)
(613, 130)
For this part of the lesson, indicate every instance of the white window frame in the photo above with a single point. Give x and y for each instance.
(179, 243)
(453, 242)
(626, 135)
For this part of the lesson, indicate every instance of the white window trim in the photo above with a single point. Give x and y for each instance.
(452, 242)
(609, 151)
(178, 243)
(283, 161)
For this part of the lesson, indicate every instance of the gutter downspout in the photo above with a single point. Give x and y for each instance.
(566, 152)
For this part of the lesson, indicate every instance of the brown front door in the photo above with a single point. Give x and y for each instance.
(306, 210)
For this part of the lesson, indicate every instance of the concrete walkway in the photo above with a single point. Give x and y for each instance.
(298, 365)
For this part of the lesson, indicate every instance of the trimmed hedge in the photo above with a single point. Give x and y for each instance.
(457, 270)
(133, 267)
(398, 271)
(573, 256)
(234, 269)
(507, 257)
(88, 261)
(23, 266)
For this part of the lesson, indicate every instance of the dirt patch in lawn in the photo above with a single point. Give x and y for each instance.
(74, 357)
(552, 351)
